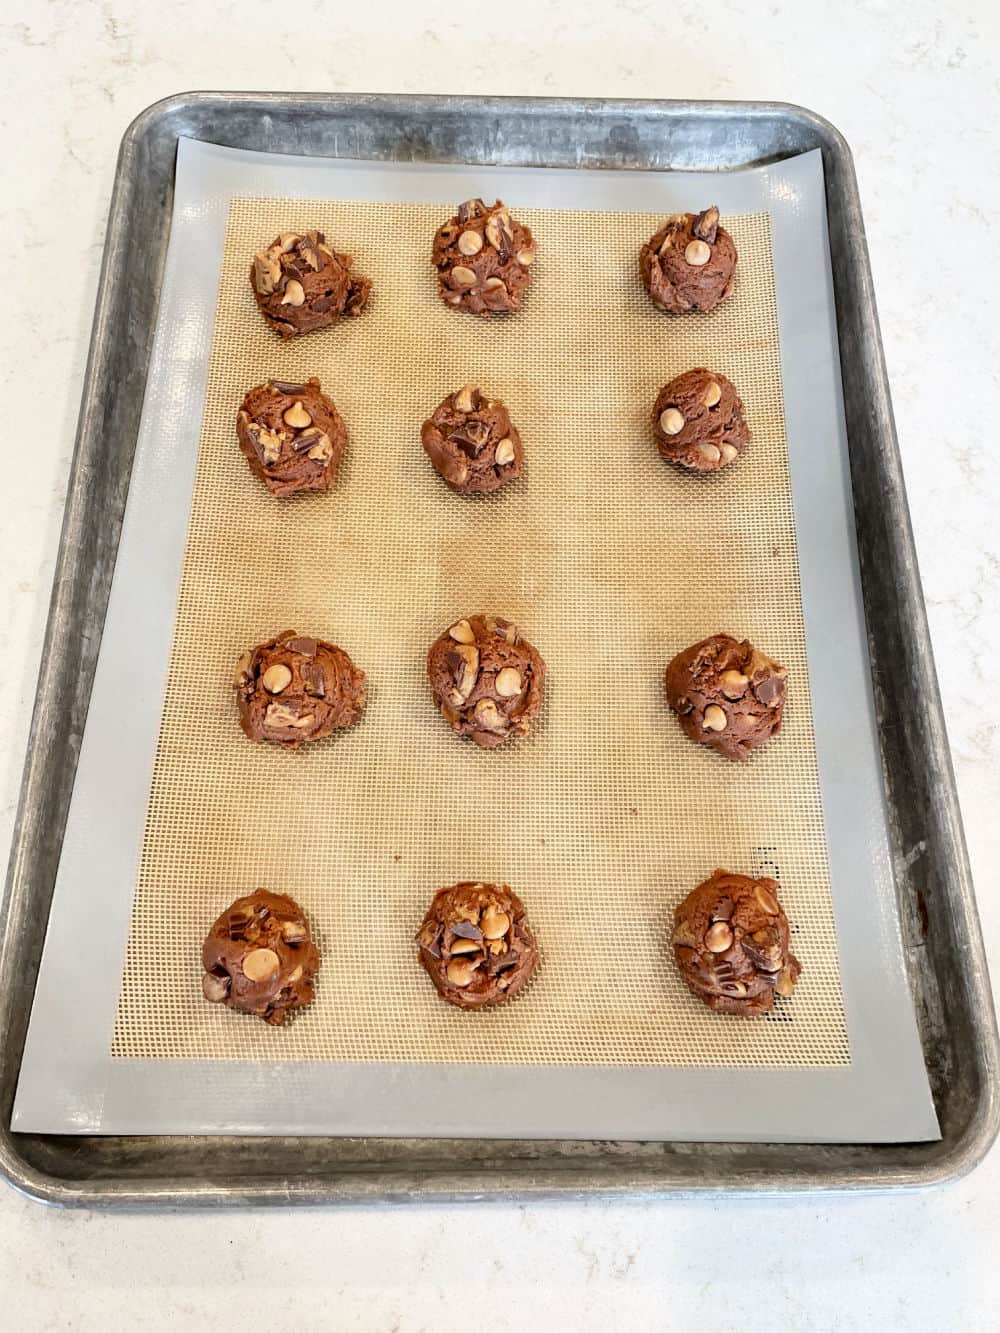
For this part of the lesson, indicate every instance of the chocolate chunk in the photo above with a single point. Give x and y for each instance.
(769, 690)
(312, 679)
(283, 386)
(303, 644)
(466, 930)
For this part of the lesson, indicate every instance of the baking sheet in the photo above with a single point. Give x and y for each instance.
(881, 1094)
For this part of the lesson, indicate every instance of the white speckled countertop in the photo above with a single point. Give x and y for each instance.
(914, 88)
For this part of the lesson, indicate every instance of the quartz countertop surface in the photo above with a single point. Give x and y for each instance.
(915, 90)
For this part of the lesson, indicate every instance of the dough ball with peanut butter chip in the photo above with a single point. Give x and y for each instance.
(300, 283)
(483, 258)
(689, 263)
(292, 435)
(727, 695)
(295, 688)
(731, 944)
(472, 443)
(698, 420)
(260, 958)
(476, 944)
(487, 681)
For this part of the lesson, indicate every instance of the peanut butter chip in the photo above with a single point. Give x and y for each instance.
(728, 452)
(460, 276)
(276, 678)
(508, 683)
(504, 453)
(214, 988)
(709, 453)
(465, 399)
(495, 923)
(697, 253)
(734, 684)
(470, 242)
(718, 937)
(714, 719)
(259, 964)
(297, 416)
(462, 632)
(460, 972)
(712, 394)
(766, 899)
(786, 982)
(526, 258)
(671, 421)
(294, 294)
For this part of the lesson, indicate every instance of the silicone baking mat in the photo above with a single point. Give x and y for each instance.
(609, 560)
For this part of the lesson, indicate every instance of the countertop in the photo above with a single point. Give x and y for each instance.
(914, 88)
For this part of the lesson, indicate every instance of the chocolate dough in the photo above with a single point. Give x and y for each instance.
(483, 257)
(689, 263)
(259, 957)
(731, 944)
(301, 284)
(295, 688)
(487, 680)
(471, 442)
(727, 695)
(476, 944)
(292, 435)
(699, 422)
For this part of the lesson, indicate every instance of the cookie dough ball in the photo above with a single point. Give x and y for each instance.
(487, 680)
(260, 958)
(483, 257)
(699, 422)
(301, 284)
(471, 442)
(476, 944)
(689, 263)
(727, 695)
(295, 688)
(731, 944)
(292, 435)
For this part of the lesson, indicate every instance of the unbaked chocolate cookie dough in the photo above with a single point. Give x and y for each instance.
(260, 958)
(487, 680)
(476, 944)
(699, 422)
(689, 263)
(727, 694)
(471, 442)
(731, 944)
(301, 284)
(292, 435)
(483, 257)
(295, 688)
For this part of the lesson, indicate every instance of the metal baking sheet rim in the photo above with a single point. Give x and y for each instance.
(760, 131)
(69, 1082)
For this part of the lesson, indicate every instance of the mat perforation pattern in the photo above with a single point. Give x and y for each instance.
(609, 560)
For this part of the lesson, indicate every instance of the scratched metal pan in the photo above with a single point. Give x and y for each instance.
(944, 947)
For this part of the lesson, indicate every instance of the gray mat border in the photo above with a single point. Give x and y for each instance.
(69, 1083)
